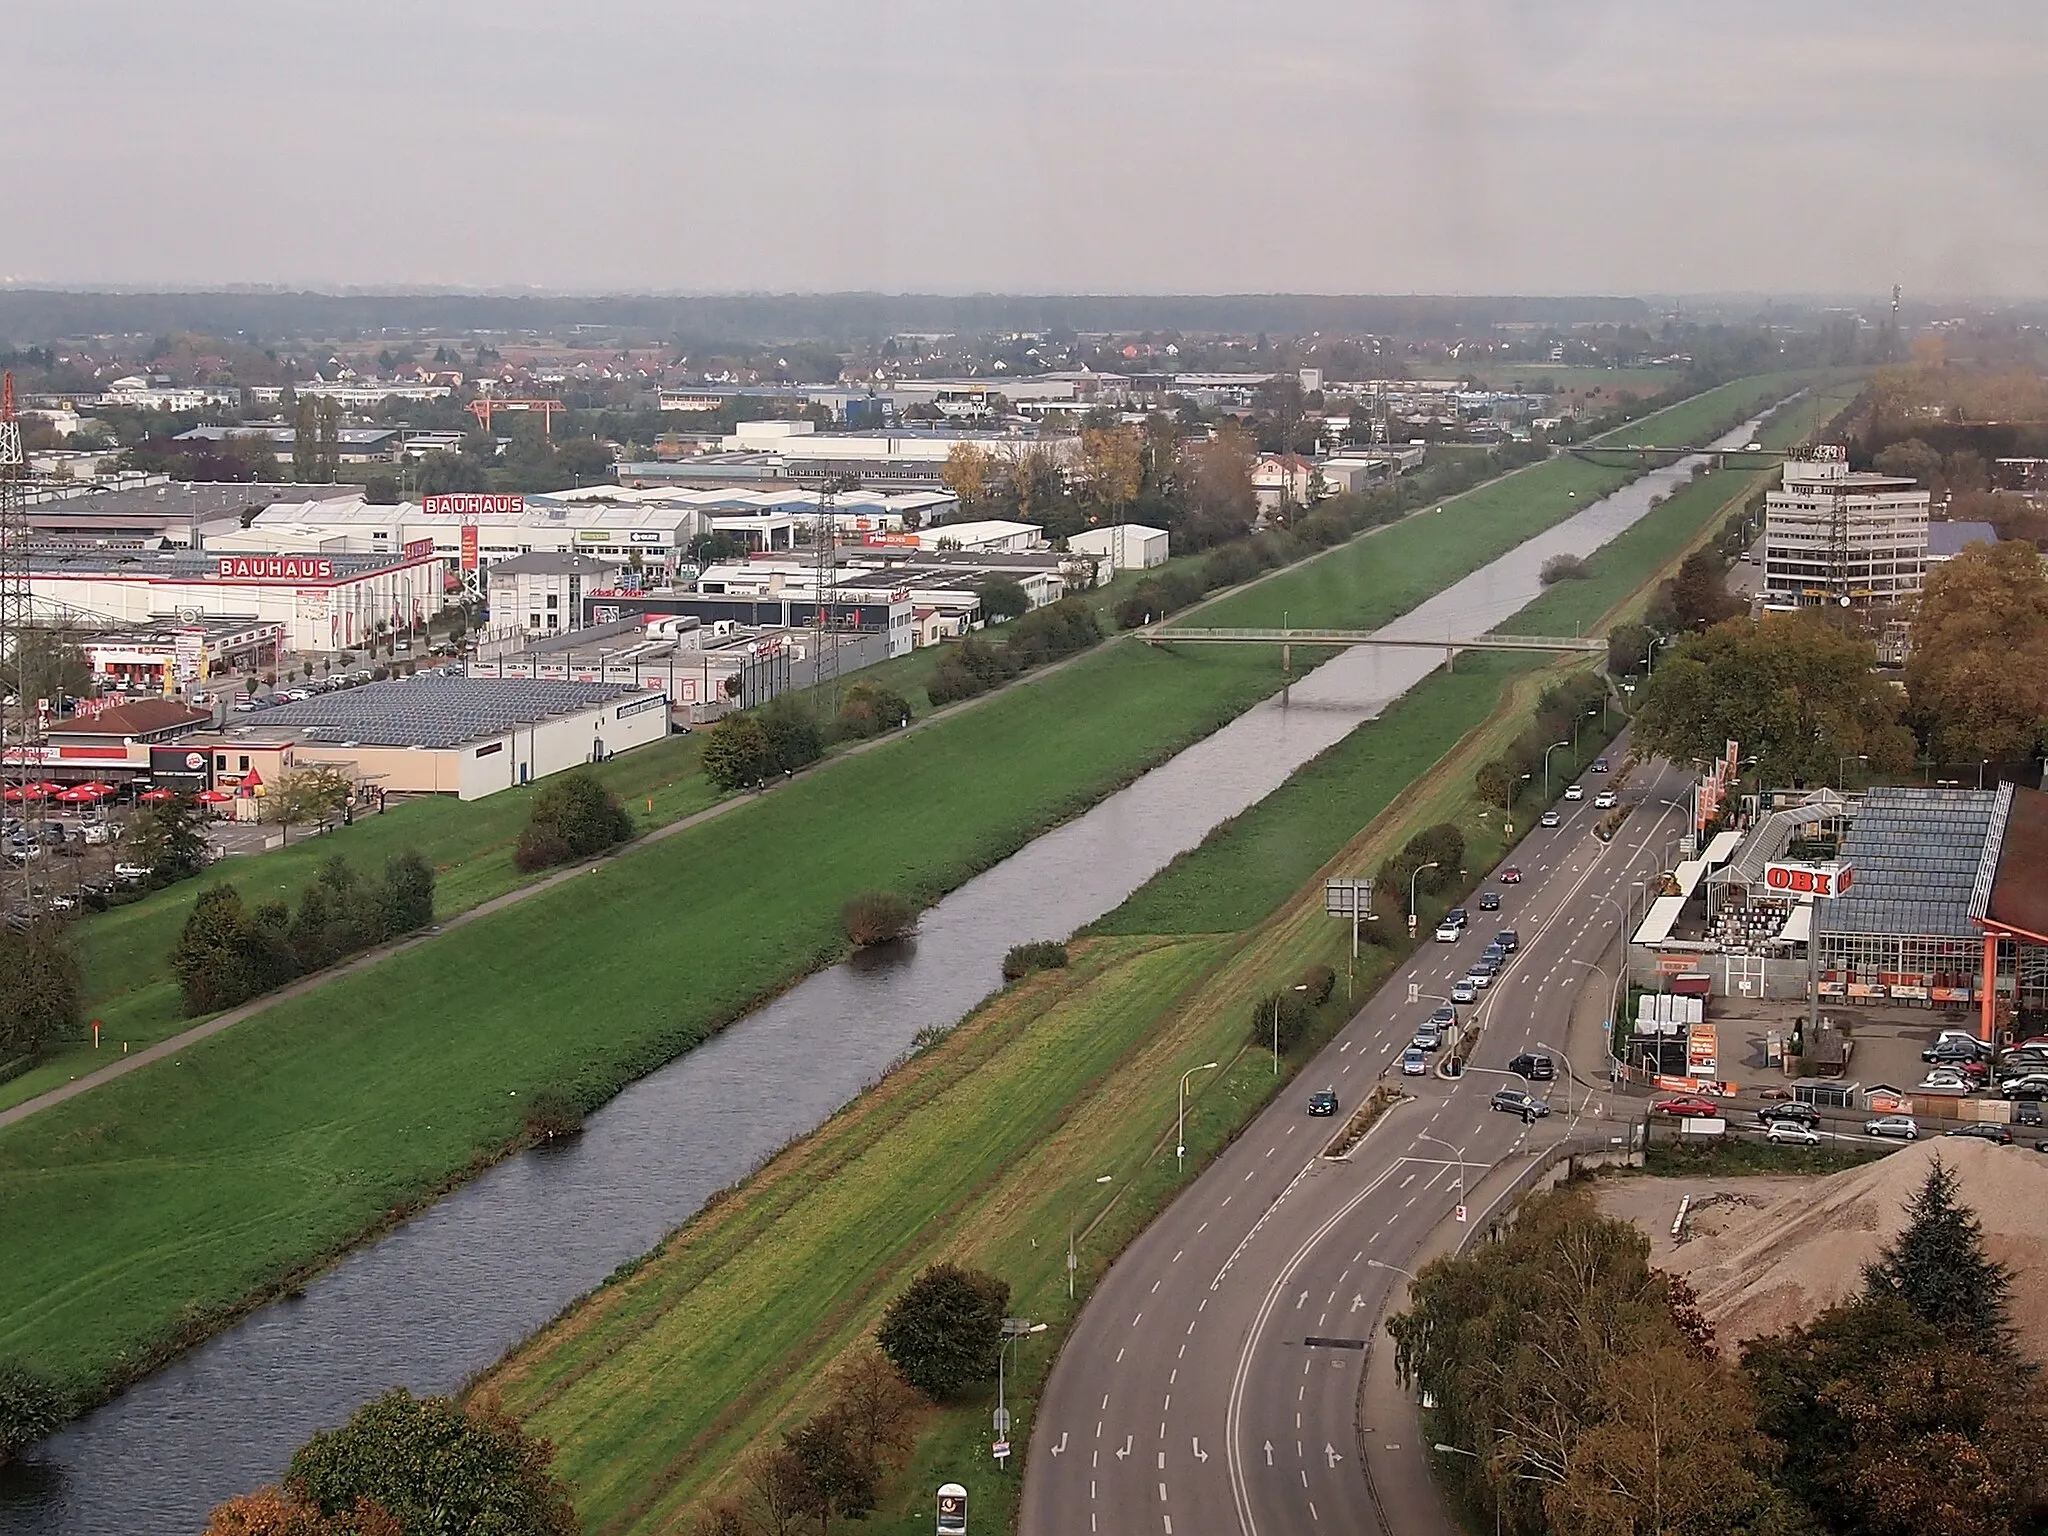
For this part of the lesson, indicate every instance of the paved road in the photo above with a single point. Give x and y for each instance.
(1213, 1382)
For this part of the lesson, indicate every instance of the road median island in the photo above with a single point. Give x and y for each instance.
(355, 1106)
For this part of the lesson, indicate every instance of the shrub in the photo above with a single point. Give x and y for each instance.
(552, 1113)
(737, 753)
(30, 1408)
(1001, 598)
(41, 989)
(944, 1331)
(1320, 982)
(542, 845)
(971, 669)
(1039, 955)
(793, 737)
(1294, 1018)
(1048, 633)
(871, 711)
(876, 917)
(1562, 568)
(588, 815)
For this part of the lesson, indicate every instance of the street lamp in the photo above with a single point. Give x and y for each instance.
(1014, 1328)
(1432, 864)
(1571, 1073)
(1073, 1217)
(1425, 1136)
(1180, 1135)
(1581, 720)
(1459, 1450)
(1383, 1264)
(1842, 767)
(1546, 767)
(1980, 772)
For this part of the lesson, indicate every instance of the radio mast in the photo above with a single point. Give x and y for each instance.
(15, 611)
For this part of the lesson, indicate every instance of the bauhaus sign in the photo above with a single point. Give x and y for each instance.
(473, 506)
(1808, 879)
(273, 568)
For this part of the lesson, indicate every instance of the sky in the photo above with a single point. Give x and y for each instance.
(1141, 146)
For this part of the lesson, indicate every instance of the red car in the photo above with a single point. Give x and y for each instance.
(1690, 1108)
(1511, 876)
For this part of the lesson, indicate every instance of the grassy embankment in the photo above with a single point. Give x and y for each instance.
(985, 1146)
(161, 1203)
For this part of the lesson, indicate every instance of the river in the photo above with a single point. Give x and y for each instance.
(447, 1293)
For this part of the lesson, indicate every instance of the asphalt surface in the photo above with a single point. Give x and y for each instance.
(1213, 1382)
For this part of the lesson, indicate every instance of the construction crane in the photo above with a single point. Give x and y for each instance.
(15, 611)
(484, 406)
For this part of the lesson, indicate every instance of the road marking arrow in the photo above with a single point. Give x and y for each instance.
(1126, 1450)
(1357, 1303)
(1269, 1453)
(1301, 1303)
(1062, 1445)
(1331, 1451)
(1200, 1454)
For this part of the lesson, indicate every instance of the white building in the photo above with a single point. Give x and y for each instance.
(542, 593)
(1127, 547)
(994, 533)
(1833, 536)
(139, 394)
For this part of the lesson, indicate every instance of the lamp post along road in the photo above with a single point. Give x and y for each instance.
(1546, 767)
(1073, 1222)
(1432, 864)
(1014, 1328)
(1180, 1134)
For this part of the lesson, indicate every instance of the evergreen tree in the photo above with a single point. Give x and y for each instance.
(408, 893)
(305, 446)
(1938, 1267)
(329, 467)
(40, 987)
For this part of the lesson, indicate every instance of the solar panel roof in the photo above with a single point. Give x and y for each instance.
(435, 711)
(1915, 853)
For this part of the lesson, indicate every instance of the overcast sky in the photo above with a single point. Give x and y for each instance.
(1437, 146)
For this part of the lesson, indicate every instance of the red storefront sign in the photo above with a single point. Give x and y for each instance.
(273, 568)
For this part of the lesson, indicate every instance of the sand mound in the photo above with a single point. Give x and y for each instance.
(1770, 1252)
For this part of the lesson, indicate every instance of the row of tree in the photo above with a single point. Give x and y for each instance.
(228, 952)
(1563, 712)
(1040, 636)
(1588, 1389)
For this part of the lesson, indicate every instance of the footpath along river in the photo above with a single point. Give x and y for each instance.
(446, 1294)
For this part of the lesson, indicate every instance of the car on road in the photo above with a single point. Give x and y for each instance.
(1691, 1107)
(1514, 1101)
(1895, 1127)
(1427, 1037)
(1789, 1131)
(1445, 1016)
(2027, 1112)
(1414, 1063)
(1447, 933)
(1802, 1114)
(1997, 1133)
(1599, 765)
(1605, 800)
(1489, 901)
(1458, 915)
(1512, 875)
(1533, 1065)
(1479, 976)
(131, 871)
(1495, 951)
(1575, 791)
(1323, 1103)
(1509, 940)
(1462, 991)
(1552, 819)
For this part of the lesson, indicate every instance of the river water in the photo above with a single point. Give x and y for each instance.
(450, 1291)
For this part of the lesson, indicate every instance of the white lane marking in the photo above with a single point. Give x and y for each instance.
(1176, 1256)
(1135, 1321)
(1119, 1357)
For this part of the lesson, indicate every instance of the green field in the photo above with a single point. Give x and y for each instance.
(142, 1212)
(1534, 377)
(1363, 584)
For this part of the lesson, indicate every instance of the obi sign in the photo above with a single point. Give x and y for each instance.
(473, 506)
(273, 568)
(1827, 880)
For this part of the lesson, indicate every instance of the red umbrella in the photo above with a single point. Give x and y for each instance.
(44, 785)
(34, 792)
(214, 797)
(157, 796)
(12, 794)
(84, 794)
(99, 788)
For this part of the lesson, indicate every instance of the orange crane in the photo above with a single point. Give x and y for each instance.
(483, 406)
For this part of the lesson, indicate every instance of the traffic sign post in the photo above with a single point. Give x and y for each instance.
(1001, 1450)
(1002, 1424)
(1461, 1213)
(1352, 899)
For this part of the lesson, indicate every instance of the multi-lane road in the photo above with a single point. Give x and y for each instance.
(1212, 1384)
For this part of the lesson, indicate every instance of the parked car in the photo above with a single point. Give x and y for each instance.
(1896, 1127)
(1447, 933)
(2027, 1112)
(1463, 991)
(1599, 765)
(1605, 800)
(1512, 875)
(1323, 1102)
(2033, 1086)
(1997, 1133)
(1575, 792)
(1509, 940)
(1533, 1065)
(1688, 1106)
(1802, 1114)
(1489, 901)
(1552, 819)
(1953, 1049)
(1414, 1063)
(1514, 1101)
(1787, 1131)
(131, 871)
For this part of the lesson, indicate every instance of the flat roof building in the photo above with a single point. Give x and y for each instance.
(1842, 538)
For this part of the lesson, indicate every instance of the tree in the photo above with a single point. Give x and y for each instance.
(212, 959)
(329, 467)
(835, 1479)
(31, 1407)
(793, 736)
(870, 710)
(1001, 598)
(1938, 1266)
(967, 473)
(589, 816)
(441, 1469)
(1913, 459)
(48, 663)
(944, 1331)
(1699, 595)
(271, 1511)
(169, 840)
(408, 893)
(1218, 478)
(737, 753)
(305, 442)
(1627, 645)
(1978, 672)
(306, 795)
(876, 1405)
(41, 988)
(1493, 782)
(1112, 466)
(1792, 689)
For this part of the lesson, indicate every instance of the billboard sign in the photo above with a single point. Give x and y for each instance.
(1347, 898)
(273, 568)
(1824, 880)
(647, 536)
(469, 547)
(419, 549)
(593, 536)
(471, 505)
